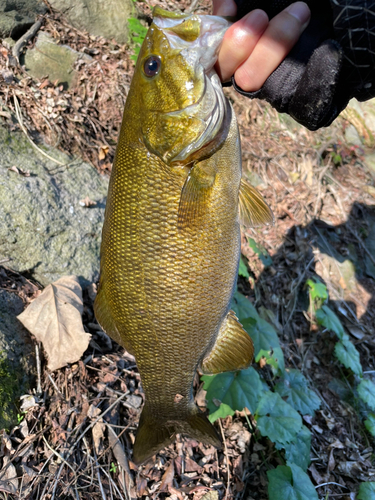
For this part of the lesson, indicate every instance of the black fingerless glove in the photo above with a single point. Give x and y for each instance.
(324, 70)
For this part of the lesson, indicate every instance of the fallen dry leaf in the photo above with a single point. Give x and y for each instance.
(98, 436)
(167, 479)
(54, 318)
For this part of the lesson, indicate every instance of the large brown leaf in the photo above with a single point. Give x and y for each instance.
(55, 319)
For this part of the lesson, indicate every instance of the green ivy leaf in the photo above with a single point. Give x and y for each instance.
(317, 290)
(277, 419)
(243, 308)
(261, 251)
(294, 387)
(274, 358)
(298, 451)
(265, 341)
(222, 412)
(348, 355)
(290, 483)
(262, 333)
(366, 491)
(327, 318)
(242, 270)
(237, 390)
(366, 391)
(370, 423)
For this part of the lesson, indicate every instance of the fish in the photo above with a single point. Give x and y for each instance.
(171, 236)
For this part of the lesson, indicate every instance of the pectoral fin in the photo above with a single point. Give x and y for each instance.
(254, 211)
(233, 349)
(195, 194)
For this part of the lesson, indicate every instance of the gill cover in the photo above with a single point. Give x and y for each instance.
(181, 93)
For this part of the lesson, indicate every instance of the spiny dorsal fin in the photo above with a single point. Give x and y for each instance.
(254, 211)
(233, 349)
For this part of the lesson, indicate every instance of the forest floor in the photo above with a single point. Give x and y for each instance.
(322, 195)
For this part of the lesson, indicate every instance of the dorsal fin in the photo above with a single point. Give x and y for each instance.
(254, 211)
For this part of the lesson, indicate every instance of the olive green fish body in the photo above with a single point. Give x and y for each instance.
(170, 251)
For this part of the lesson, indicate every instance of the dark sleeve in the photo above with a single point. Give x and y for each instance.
(332, 61)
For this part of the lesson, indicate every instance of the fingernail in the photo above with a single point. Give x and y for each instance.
(256, 20)
(300, 11)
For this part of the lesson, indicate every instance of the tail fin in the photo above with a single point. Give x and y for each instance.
(153, 435)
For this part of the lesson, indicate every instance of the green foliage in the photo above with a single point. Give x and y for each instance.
(264, 336)
(366, 491)
(293, 386)
(298, 451)
(366, 391)
(137, 34)
(290, 483)
(262, 253)
(318, 292)
(277, 419)
(345, 351)
(113, 468)
(11, 388)
(370, 423)
(327, 318)
(348, 355)
(242, 270)
(237, 390)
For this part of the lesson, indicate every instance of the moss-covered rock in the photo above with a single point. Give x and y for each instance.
(17, 364)
(16, 16)
(108, 18)
(48, 58)
(44, 229)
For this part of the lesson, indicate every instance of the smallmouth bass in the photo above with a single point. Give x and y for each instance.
(171, 237)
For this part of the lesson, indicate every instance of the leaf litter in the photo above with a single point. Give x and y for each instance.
(75, 436)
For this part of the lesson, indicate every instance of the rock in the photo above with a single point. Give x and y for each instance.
(17, 16)
(44, 229)
(352, 136)
(17, 362)
(361, 115)
(107, 18)
(370, 163)
(48, 58)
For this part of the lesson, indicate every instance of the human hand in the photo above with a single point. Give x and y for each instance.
(254, 47)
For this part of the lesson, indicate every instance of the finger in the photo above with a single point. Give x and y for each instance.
(239, 42)
(274, 45)
(224, 8)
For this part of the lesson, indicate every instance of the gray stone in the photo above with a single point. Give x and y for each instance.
(17, 363)
(43, 227)
(107, 18)
(16, 16)
(48, 58)
(370, 163)
(352, 136)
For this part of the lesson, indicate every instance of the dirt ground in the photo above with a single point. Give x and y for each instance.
(319, 188)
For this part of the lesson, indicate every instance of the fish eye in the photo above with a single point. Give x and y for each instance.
(151, 66)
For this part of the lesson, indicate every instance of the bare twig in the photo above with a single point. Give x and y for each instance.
(23, 128)
(39, 383)
(18, 47)
(226, 459)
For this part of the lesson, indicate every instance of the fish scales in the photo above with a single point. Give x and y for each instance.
(171, 236)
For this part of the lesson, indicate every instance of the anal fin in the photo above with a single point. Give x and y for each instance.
(254, 211)
(233, 349)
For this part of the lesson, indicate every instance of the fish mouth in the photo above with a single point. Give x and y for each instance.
(211, 111)
(201, 54)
